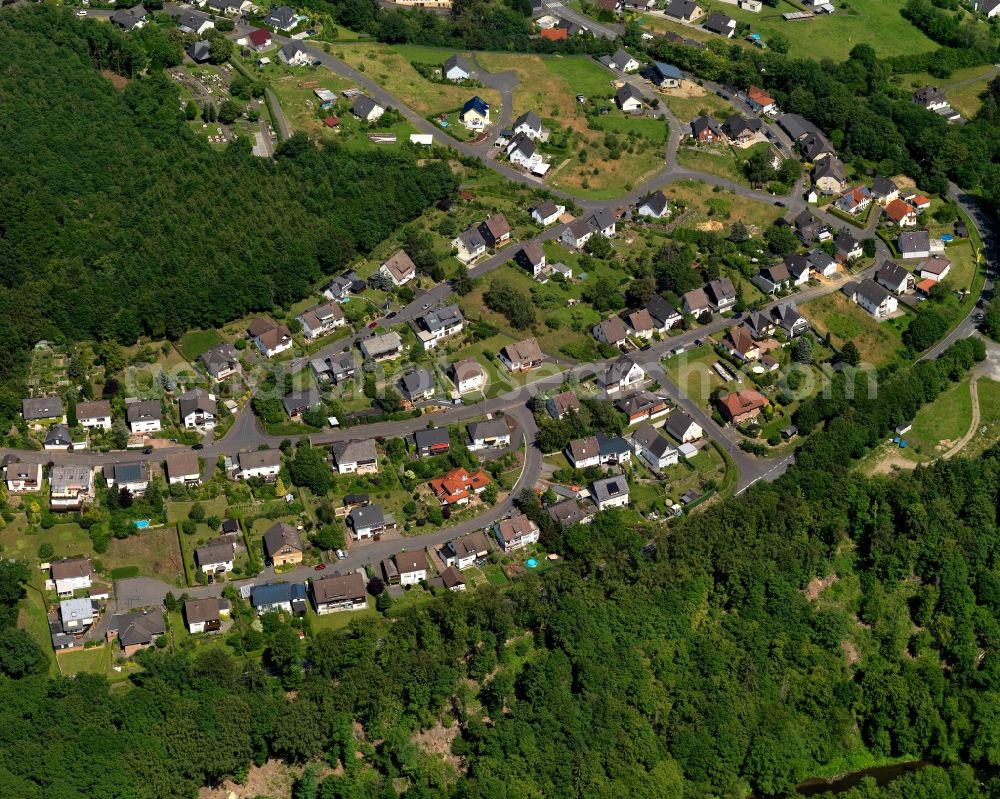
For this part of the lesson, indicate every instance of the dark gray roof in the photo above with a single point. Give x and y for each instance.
(279, 535)
(472, 238)
(649, 438)
(529, 118)
(219, 357)
(298, 401)
(571, 511)
(432, 437)
(523, 144)
(200, 51)
(796, 126)
(276, 593)
(656, 202)
(660, 309)
(786, 315)
(721, 289)
(458, 61)
(679, 9)
(363, 106)
(621, 58)
(845, 242)
(367, 516)
(872, 292)
(677, 424)
(441, 318)
(138, 627)
(58, 436)
(611, 446)
(144, 410)
(219, 551)
(627, 92)
(137, 472)
(891, 272)
(717, 23)
(195, 400)
(703, 123)
(814, 145)
(417, 382)
(290, 50)
(915, 241)
(282, 15)
(736, 124)
(882, 186)
(832, 167)
(489, 429)
(41, 408)
(609, 488)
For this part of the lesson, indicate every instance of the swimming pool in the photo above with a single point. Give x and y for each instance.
(141, 524)
(531, 563)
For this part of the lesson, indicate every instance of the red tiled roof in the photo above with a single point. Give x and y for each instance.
(555, 34)
(260, 36)
(925, 286)
(740, 402)
(760, 96)
(458, 485)
(897, 210)
(331, 122)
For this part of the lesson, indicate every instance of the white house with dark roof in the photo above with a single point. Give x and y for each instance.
(872, 297)
(682, 427)
(355, 457)
(265, 463)
(654, 205)
(215, 556)
(143, 416)
(622, 375)
(529, 124)
(281, 17)
(366, 109)
(197, 409)
(515, 533)
(221, 361)
(133, 476)
(399, 268)
(610, 492)
(321, 320)
(334, 369)
(623, 61)
(417, 385)
(654, 449)
(23, 477)
(457, 68)
(547, 213)
(43, 409)
(491, 434)
(469, 244)
(369, 521)
(436, 325)
(71, 574)
(895, 278)
(629, 99)
(914, 244)
(294, 55)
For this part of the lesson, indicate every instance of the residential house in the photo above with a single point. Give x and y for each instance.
(894, 277)
(610, 492)
(663, 76)
(355, 457)
(901, 213)
(205, 615)
(772, 278)
(760, 101)
(22, 478)
(337, 592)
(515, 533)
(522, 356)
(919, 201)
(759, 325)
(451, 578)
(629, 99)
(788, 318)
(872, 297)
(469, 245)
(642, 406)
(468, 376)
(265, 463)
(554, 34)
(475, 114)
(58, 438)
(723, 26)
(197, 409)
(854, 200)
(412, 567)
(134, 477)
(495, 230)
(221, 361)
(382, 347)
(183, 467)
(809, 229)
(990, 8)
(583, 452)
(654, 205)
(528, 124)
(296, 403)
(821, 263)
(706, 130)
(399, 268)
(279, 598)
(815, 147)
(341, 287)
(741, 406)
(829, 175)
(577, 233)
(931, 98)
(270, 337)
(465, 551)
(259, 40)
(294, 55)
(369, 521)
(683, 10)
(283, 544)
(914, 244)
(623, 375)
(639, 323)
(94, 415)
(682, 427)
(696, 302)
(741, 345)
(457, 68)
(143, 416)
(281, 17)
(934, 268)
(521, 151)
(847, 247)
(653, 448)
(547, 213)
(531, 256)
(884, 191)
(459, 486)
(334, 369)
(572, 511)
(136, 630)
(435, 326)
(719, 295)
(432, 441)
(215, 556)
(798, 269)
(70, 486)
(741, 130)
(200, 52)
(366, 109)
(663, 314)
(188, 22)
(562, 404)
(491, 434)
(43, 409)
(77, 615)
(129, 19)
(71, 574)
(417, 385)
(321, 320)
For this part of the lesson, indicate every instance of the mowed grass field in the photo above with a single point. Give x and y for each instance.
(937, 426)
(962, 87)
(878, 342)
(152, 553)
(195, 342)
(693, 374)
(548, 85)
(723, 206)
(874, 22)
(692, 101)
(395, 73)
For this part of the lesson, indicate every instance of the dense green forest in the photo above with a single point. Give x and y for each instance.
(116, 222)
(700, 670)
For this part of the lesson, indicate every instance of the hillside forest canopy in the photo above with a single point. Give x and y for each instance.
(117, 222)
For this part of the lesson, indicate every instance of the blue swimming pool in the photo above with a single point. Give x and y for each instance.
(531, 563)
(141, 524)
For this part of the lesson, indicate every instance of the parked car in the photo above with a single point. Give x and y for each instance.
(341, 554)
(319, 567)
(426, 306)
(147, 451)
(198, 446)
(372, 325)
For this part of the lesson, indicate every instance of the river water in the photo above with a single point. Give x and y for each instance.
(881, 774)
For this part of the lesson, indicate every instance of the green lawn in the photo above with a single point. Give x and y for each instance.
(878, 342)
(152, 553)
(687, 108)
(336, 621)
(195, 342)
(962, 87)
(494, 574)
(692, 372)
(937, 426)
(67, 540)
(178, 511)
(722, 161)
(723, 206)
(33, 620)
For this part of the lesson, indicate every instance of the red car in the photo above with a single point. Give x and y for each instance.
(372, 325)
(319, 567)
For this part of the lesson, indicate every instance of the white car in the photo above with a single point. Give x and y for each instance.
(81, 12)
(341, 554)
